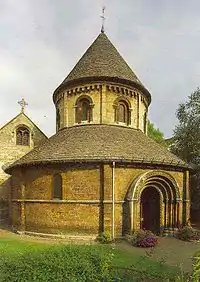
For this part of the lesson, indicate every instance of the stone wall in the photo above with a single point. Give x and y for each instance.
(9, 152)
(86, 205)
(103, 97)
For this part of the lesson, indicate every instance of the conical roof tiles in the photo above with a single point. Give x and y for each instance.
(102, 60)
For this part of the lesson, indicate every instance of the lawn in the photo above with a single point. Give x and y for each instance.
(131, 263)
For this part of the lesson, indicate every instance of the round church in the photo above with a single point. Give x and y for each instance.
(100, 171)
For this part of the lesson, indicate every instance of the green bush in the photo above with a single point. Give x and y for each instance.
(196, 268)
(187, 233)
(105, 238)
(144, 238)
(67, 263)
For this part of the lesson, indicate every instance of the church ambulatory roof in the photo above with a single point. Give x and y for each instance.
(102, 61)
(97, 143)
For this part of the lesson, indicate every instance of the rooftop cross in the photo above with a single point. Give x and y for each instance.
(23, 104)
(103, 19)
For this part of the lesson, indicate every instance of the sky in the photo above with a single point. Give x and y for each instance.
(42, 40)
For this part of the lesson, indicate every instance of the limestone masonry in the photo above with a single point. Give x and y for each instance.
(100, 171)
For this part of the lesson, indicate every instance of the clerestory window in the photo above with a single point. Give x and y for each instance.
(58, 119)
(122, 112)
(83, 110)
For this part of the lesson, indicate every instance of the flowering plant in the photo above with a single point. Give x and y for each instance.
(187, 233)
(144, 238)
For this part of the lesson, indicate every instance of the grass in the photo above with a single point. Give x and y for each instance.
(124, 263)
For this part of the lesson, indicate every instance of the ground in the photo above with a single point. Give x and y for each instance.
(169, 251)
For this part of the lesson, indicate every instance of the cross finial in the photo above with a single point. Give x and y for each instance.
(103, 19)
(23, 104)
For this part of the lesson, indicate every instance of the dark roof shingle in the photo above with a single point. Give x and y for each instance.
(89, 143)
(102, 60)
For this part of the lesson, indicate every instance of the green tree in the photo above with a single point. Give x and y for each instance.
(186, 141)
(155, 133)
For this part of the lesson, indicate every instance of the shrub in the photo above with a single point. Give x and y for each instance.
(144, 238)
(105, 238)
(67, 263)
(187, 233)
(196, 268)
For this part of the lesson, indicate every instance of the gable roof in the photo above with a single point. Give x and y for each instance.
(102, 60)
(99, 143)
(22, 114)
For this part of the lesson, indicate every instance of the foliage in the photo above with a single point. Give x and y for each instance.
(186, 140)
(187, 233)
(144, 238)
(155, 134)
(66, 263)
(105, 237)
(187, 132)
(126, 265)
(196, 268)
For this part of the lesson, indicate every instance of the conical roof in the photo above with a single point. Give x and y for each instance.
(99, 143)
(102, 60)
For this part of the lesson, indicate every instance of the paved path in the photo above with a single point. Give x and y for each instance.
(169, 250)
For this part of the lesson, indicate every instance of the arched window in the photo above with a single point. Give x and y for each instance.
(83, 110)
(122, 112)
(58, 119)
(57, 186)
(23, 136)
(145, 122)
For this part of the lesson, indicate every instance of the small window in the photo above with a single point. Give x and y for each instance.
(58, 119)
(57, 186)
(122, 113)
(23, 136)
(83, 110)
(145, 122)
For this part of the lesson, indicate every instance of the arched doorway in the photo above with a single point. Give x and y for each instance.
(150, 210)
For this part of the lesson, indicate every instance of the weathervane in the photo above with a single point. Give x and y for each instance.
(103, 19)
(23, 104)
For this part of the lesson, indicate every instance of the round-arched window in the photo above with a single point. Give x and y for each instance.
(145, 122)
(58, 119)
(23, 136)
(122, 112)
(83, 110)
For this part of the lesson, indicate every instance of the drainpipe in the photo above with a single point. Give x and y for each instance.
(113, 200)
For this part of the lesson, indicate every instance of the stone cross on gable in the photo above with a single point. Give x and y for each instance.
(23, 104)
(103, 19)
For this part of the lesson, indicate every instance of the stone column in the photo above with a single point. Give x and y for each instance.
(65, 110)
(22, 210)
(138, 111)
(166, 215)
(178, 214)
(136, 214)
(131, 215)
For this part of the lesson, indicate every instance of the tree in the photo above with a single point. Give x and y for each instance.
(155, 133)
(186, 140)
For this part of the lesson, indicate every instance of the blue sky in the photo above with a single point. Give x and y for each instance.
(40, 42)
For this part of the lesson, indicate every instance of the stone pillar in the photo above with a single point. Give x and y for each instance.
(65, 110)
(138, 111)
(131, 207)
(186, 198)
(22, 211)
(136, 214)
(170, 214)
(178, 213)
(181, 211)
(166, 214)
(162, 212)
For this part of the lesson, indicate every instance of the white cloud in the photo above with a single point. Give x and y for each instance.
(42, 40)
